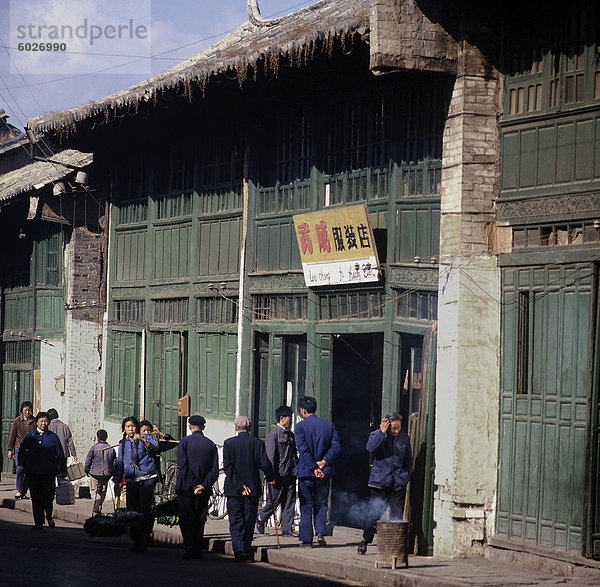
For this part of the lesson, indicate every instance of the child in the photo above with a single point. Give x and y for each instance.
(98, 465)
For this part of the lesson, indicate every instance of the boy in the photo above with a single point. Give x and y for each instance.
(98, 465)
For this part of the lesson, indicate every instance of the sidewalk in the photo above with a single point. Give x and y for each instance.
(340, 559)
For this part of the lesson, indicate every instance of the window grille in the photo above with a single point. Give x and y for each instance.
(357, 304)
(171, 311)
(129, 311)
(18, 352)
(556, 235)
(217, 311)
(266, 307)
(174, 206)
(420, 305)
(179, 175)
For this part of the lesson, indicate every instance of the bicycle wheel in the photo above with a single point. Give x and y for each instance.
(168, 490)
(217, 505)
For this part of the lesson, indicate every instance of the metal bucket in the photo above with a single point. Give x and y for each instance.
(392, 544)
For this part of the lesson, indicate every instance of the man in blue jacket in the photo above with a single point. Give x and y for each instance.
(392, 466)
(198, 464)
(318, 447)
(243, 456)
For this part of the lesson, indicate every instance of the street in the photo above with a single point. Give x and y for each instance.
(67, 557)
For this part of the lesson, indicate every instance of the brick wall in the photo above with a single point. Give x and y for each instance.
(404, 37)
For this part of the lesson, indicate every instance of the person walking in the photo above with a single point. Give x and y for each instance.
(390, 473)
(318, 447)
(98, 465)
(136, 467)
(22, 425)
(243, 456)
(64, 434)
(281, 451)
(198, 464)
(42, 457)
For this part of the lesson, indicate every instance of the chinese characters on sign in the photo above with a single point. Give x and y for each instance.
(336, 246)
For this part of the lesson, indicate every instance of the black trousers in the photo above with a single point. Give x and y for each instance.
(284, 495)
(41, 489)
(140, 497)
(192, 510)
(379, 499)
(242, 511)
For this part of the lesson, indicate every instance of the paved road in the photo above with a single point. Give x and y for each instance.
(67, 557)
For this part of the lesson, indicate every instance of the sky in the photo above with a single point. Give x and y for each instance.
(93, 48)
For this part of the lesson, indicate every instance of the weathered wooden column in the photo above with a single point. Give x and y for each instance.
(466, 443)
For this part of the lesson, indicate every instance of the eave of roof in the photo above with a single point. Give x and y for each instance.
(294, 36)
(39, 174)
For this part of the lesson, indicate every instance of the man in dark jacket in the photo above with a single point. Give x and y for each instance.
(318, 447)
(281, 450)
(243, 456)
(198, 464)
(392, 466)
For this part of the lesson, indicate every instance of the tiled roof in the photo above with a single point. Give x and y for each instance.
(39, 174)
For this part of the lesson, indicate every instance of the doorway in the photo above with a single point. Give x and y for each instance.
(356, 409)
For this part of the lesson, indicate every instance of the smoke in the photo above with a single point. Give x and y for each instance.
(362, 513)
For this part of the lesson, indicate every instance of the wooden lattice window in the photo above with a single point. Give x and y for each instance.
(270, 307)
(217, 311)
(417, 305)
(357, 304)
(129, 311)
(171, 311)
(18, 351)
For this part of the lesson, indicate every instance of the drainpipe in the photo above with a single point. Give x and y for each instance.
(242, 283)
(142, 383)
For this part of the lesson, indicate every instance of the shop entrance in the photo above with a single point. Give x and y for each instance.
(357, 366)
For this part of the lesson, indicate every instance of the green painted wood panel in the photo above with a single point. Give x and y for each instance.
(217, 354)
(546, 168)
(584, 149)
(49, 310)
(19, 311)
(219, 246)
(527, 175)
(123, 377)
(130, 255)
(164, 384)
(418, 231)
(510, 160)
(276, 246)
(172, 251)
(541, 480)
(17, 386)
(565, 149)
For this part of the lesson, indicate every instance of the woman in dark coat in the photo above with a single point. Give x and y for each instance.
(42, 456)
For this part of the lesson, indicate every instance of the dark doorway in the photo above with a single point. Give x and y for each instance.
(356, 408)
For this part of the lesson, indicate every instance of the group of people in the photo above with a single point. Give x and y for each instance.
(40, 447)
(304, 459)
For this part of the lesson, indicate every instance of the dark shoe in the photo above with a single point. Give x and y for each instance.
(305, 545)
(260, 527)
(241, 557)
(362, 547)
(321, 540)
(292, 533)
(51, 523)
(18, 495)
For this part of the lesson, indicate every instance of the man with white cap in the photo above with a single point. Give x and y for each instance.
(243, 456)
(198, 464)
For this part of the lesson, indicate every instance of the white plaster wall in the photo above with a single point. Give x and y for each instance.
(52, 366)
(83, 383)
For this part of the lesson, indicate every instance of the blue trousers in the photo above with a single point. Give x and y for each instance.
(192, 511)
(22, 485)
(314, 494)
(242, 511)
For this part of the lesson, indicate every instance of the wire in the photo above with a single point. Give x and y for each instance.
(141, 58)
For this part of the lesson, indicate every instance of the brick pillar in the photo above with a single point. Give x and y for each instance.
(466, 442)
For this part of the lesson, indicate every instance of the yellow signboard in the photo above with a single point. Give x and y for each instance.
(336, 246)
